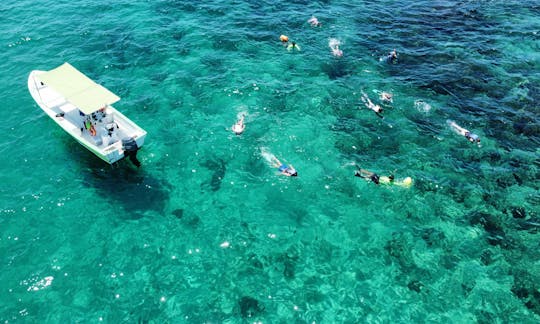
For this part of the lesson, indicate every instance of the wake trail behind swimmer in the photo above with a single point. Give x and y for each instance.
(269, 157)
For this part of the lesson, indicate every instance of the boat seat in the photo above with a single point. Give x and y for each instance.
(108, 140)
(98, 140)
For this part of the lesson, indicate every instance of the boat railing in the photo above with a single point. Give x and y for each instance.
(37, 86)
(110, 148)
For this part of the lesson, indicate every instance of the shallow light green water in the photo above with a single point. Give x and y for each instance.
(207, 231)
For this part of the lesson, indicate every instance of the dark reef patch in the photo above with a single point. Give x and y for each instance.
(218, 167)
(249, 307)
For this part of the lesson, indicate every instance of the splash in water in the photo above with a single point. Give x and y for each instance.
(334, 44)
(314, 22)
(267, 155)
(422, 106)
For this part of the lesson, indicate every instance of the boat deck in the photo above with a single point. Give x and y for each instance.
(109, 128)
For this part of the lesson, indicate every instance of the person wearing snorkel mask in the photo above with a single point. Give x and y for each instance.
(473, 138)
(287, 170)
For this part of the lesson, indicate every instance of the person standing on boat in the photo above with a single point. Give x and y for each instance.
(100, 114)
(111, 127)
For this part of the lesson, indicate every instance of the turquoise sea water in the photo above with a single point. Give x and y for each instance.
(206, 231)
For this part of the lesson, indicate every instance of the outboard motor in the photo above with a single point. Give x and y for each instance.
(130, 149)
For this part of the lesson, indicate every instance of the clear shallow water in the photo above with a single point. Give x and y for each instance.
(207, 231)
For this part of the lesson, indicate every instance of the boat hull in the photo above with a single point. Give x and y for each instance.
(105, 144)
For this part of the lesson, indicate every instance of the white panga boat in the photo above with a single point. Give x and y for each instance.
(83, 109)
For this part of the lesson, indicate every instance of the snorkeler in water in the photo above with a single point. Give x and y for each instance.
(314, 22)
(386, 97)
(373, 177)
(239, 126)
(369, 104)
(473, 138)
(293, 46)
(385, 180)
(287, 170)
(390, 58)
(334, 44)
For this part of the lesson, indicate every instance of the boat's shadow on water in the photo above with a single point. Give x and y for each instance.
(126, 186)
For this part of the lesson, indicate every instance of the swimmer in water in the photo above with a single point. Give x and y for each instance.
(287, 170)
(391, 57)
(385, 180)
(334, 44)
(376, 108)
(293, 46)
(314, 22)
(373, 177)
(386, 97)
(463, 132)
(239, 127)
(284, 39)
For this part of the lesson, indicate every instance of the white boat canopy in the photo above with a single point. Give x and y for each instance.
(78, 89)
